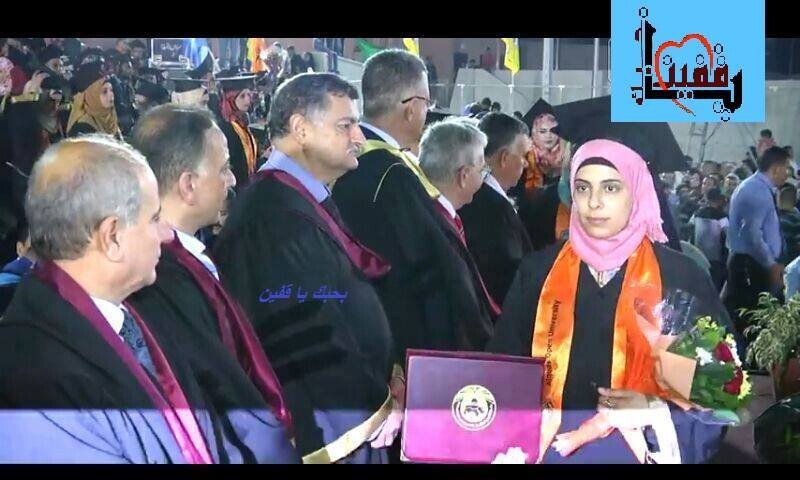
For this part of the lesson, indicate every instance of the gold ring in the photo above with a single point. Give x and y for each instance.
(608, 403)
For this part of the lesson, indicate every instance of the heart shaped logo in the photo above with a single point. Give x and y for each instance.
(670, 43)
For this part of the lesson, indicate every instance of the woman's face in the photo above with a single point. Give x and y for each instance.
(603, 201)
(244, 100)
(107, 96)
(542, 132)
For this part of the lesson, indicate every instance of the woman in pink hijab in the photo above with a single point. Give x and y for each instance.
(577, 304)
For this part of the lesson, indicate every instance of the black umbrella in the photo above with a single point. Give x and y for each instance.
(589, 119)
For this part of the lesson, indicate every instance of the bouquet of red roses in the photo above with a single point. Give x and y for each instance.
(718, 382)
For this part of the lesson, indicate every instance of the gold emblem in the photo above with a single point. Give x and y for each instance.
(474, 408)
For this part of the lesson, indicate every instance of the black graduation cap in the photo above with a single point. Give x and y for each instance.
(539, 108)
(187, 84)
(86, 75)
(236, 72)
(152, 74)
(240, 82)
(50, 52)
(205, 67)
(584, 120)
(92, 55)
(54, 82)
(262, 78)
(152, 91)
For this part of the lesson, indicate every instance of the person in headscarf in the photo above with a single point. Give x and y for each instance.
(549, 151)
(235, 103)
(542, 192)
(93, 105)
(572, 303)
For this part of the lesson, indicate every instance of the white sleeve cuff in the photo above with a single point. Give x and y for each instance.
(664, 429)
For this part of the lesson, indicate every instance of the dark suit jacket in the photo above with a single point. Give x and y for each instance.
(68, 397)
(496, 238)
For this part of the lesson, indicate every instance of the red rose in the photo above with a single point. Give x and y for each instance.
(735, 386)
(723, 352)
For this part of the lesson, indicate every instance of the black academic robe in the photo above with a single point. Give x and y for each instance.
(236, 150)
(80, 128)
(333, 358)
(538, 211)
(66, 396)
(430, 295)
(27, 141)
(592, 344)
(496, 238)
(175, 307)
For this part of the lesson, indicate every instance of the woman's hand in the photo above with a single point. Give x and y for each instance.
(387, 433)
(34, 85)
(624, 409)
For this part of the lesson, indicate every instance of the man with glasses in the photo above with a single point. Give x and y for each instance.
(305, 281)
(390, 204)
(495, 234)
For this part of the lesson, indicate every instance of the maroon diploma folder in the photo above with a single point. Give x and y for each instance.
(467, 407)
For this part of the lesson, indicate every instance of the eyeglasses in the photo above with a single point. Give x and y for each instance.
(428, 102)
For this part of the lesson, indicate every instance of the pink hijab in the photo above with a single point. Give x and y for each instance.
(645, 219)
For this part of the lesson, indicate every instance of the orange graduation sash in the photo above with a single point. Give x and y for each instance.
(249, 146)
(632, 361)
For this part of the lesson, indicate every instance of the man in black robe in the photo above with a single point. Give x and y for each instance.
(81, 377)
(189, 156)
(304, 280)
(495, 234)
(388, 203)
(451, 156)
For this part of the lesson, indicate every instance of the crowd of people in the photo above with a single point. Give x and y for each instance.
(157, 309)
(744, 221)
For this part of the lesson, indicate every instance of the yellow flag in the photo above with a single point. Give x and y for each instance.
(412, 45)
(512, 54)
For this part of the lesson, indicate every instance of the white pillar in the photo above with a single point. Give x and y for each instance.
(547, 67)
(596, 67)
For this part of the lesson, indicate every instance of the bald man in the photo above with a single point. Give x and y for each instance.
(82, 378)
